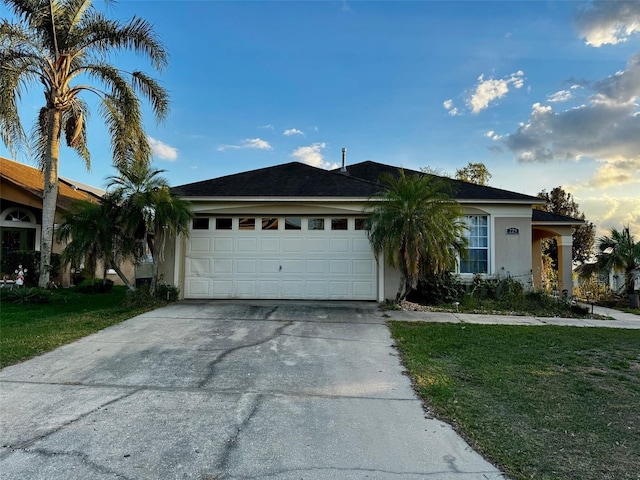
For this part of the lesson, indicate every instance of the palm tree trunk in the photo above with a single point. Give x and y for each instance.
(123, 277)
(49, 195)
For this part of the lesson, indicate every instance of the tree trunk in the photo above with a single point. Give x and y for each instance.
(49, 195)
(123, 277)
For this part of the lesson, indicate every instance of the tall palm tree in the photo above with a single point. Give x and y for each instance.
(617, 251)
(151, 214)
(417, 226)
(94, 232)
(62, 45)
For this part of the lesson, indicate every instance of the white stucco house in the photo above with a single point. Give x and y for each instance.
(293, 231)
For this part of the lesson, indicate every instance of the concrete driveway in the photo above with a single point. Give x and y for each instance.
(227, 390)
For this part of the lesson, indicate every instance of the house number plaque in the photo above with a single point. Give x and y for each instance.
(513, 231)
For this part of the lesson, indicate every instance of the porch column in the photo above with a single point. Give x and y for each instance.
(565, 262)
(536, 263)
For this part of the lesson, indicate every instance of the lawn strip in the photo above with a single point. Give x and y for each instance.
(28, 330)
(541, 402)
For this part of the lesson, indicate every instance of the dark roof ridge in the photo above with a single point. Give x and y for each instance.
(459, 184)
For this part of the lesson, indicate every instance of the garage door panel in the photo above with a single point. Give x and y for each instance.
(317, 245)
(292, 267)
(363, 267)
(198, 266)
(199, 245)
(363, 289)
(223, 244)
(199, 288)
(293, 245)
(245, 288)
(316, 289)
(287, 264)
(339, 289)
(269, 266)
(339, 245)
(293, 289)
(247, 245)
(268, 288)
(316, 267)
(222, 288)
(246, 265)
(222, 266)
(269, 245)
(339, 267)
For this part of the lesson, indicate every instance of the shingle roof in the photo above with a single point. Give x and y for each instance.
(299, 180)
(462, 190)
(32, 180)
(288, 180)
(548, 217)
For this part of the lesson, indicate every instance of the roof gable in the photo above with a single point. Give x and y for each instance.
(292, 179)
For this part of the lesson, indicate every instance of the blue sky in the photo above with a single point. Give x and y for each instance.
(544, 93)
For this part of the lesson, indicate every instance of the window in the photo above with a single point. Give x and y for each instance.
(361, 224)
(339, 224)
(269, 224)
(247, 223)
(316, 224)
(292, 223)
(223, 224)
(477, 260)
(200, 223)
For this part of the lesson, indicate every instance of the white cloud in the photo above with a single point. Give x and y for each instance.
(560, 96)
(162, 150)
(608, 22)
(606, 211)
(604, 127)
(266, 127)
(293, 131)
(487, 91)
(448, 105)
(248, 143)
(312, 155)
(492, 135)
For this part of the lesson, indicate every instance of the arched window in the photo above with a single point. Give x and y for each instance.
(18, 230)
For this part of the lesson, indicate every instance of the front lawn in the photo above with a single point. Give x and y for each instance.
(27, 330)
(540, 402)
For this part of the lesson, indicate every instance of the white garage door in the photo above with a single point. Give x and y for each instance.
(280, 258)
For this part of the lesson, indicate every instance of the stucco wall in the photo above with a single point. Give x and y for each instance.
(513, 250)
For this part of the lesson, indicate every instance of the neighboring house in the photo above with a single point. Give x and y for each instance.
(293, 231)
(21, 209)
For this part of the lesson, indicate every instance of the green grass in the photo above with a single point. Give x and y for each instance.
(540, 402)
(28, 330)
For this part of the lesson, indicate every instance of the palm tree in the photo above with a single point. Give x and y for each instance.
(96, 234)
(417, 226)
(63, 46)
(151, 214)
(617, 251)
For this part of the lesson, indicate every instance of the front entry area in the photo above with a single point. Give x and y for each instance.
(277, 257)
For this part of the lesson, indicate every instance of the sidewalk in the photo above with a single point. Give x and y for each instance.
(620, 319)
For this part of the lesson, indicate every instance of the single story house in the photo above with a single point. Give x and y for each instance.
(293, 231)
(21, 190)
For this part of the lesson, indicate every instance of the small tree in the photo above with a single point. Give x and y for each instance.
(474, 173)
(150, 213)
(617, 251)
(96, 233)
(417, 226)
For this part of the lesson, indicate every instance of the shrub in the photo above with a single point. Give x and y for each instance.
(29, 259)
(141, 297)
(34, 296)
(95, 286)
(437, 289)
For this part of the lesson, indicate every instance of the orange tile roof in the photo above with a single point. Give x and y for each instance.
(32, 180)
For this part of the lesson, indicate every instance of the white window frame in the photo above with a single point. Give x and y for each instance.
(487, 247)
